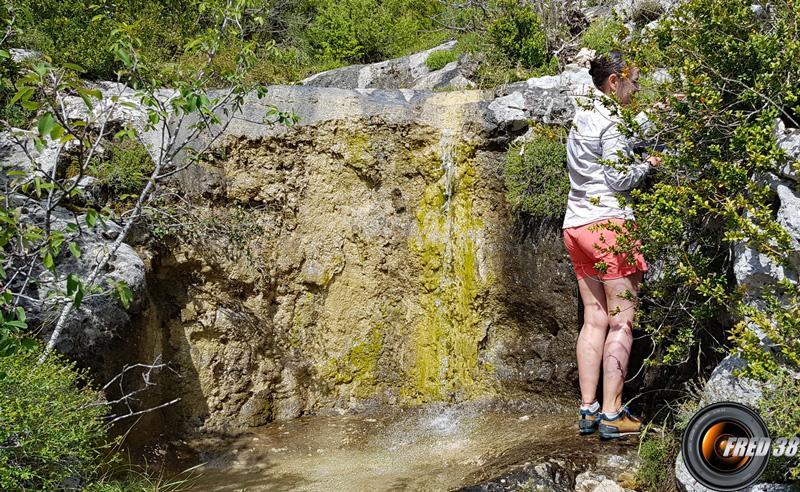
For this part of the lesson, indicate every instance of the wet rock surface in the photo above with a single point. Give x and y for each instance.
(357, 262)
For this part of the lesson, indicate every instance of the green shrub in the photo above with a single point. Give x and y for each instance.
(50, 431)
(518, 34)
(65, 32)
(658, 453)
(286, 65)
(495, 68)
(778, 318)
(536, 176)
(778, 406)
(366, 31)
(438, 59)
(604, 34)
(734, 74)
(124, 170)
(68, 32)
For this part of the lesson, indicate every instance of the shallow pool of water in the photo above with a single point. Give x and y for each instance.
(431, 448)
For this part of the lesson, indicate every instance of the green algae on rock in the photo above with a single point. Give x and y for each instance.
(358, 366)
(447, 338)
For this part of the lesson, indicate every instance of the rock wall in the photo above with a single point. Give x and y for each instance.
(355, 260)
(364, 256)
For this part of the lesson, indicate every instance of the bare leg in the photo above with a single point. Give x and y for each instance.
(621, 301)
(593, 333)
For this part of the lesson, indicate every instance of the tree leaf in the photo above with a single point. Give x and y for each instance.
(30, 105)
(74, 67)
(91, 217)
(78, 297)
(28, 343)
(25, 93)
(56, 133)
(124, 294)
(73, 284)
(75, 249)
(123, 56)
(47, 261)
(46, 124)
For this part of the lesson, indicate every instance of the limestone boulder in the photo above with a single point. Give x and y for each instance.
(687, 483)
(407, 72)
(101, 320)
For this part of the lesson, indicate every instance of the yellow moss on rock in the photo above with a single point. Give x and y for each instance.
(358, 366)
(446, 339)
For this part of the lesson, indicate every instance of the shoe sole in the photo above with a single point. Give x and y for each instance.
(617, 435)
(586, 432)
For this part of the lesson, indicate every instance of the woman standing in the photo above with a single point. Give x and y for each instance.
(608, 281)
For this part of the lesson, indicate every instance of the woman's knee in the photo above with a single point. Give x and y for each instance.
(619, 326)
(595, 319)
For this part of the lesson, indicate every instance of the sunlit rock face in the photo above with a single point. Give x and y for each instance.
(364, 256)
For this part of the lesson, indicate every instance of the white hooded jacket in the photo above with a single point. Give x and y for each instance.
(593, 186)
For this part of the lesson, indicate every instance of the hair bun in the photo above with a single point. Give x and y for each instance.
(601, 66)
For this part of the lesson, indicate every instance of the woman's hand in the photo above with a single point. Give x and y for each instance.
(654, 161)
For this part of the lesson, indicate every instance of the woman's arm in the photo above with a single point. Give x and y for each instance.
(616, 147)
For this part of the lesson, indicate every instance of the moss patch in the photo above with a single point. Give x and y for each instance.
(358, 366)
(358, 156)
(446, 339)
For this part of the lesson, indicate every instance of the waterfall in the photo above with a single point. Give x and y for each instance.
(447, 337)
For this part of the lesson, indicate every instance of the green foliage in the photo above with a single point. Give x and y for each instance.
(34, 238)
(517, 33)
(778, 406)
(736, 73)
(9, 74)
(660, 443)
(12, 326)
(123, 169)
(50, 424)
(365, 31)
(65, 32)
(604, 34)
(293, 39)
(438, 59)
(657, 454)
(79, 31)
(535, 174)
(495, 67)
(777, 318)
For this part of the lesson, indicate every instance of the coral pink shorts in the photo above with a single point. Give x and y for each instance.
(594, 251)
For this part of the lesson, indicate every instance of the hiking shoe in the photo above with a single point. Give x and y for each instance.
(623, 424)
(587, 421)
